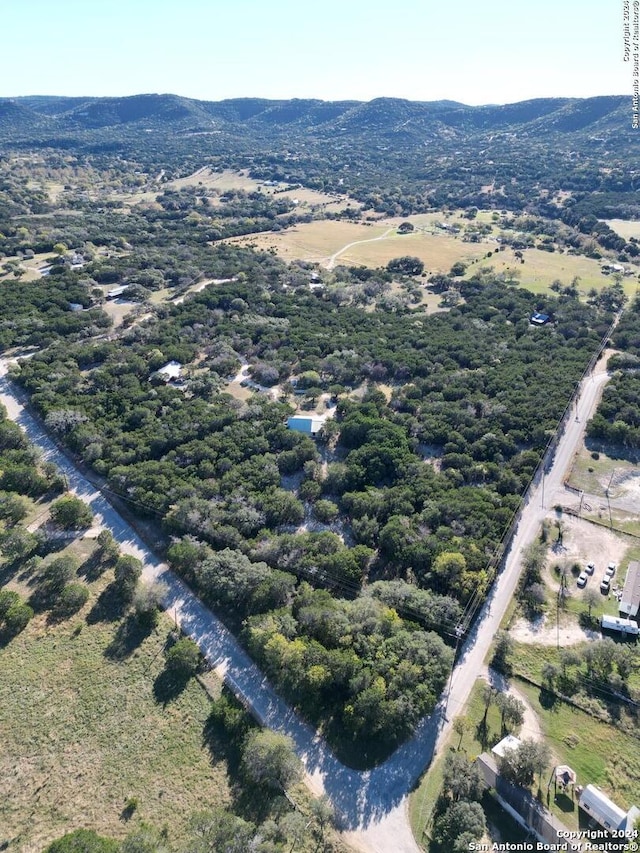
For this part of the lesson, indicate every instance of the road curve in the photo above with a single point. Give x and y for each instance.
(371, 805)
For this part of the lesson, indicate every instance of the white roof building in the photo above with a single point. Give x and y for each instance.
(630, 601)
(510, 742)
(605, 812)
(170, 371)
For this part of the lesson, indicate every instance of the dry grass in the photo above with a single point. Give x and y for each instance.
(625, 228)
(542, 268)
(80, 732)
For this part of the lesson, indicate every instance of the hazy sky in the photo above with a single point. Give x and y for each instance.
(474, 51)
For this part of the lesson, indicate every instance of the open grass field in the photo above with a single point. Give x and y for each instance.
(229, 180)
(314, 241)
(542, 268)
(624, 227)
(330, 242)
(81, 730)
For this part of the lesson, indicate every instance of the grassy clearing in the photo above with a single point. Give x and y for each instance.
(313, 241)
(320, 240)
(600, 753)
(81, 731)
(594, 475)
(624, 227)
(541, 268)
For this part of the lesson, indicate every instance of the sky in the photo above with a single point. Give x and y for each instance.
(473, 51)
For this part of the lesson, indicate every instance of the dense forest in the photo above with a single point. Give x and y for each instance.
(345, 563)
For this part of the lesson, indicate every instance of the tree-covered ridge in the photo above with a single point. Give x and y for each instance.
(393, 155)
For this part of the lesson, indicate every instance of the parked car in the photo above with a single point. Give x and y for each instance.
(591, 567)
(582, 580)
(610, 570)
(605, 585)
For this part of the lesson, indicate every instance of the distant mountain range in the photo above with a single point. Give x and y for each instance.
(56, 115)
(392, 154)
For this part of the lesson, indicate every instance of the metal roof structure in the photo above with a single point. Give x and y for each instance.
(309, 424)
(603, 810)
(630, 601)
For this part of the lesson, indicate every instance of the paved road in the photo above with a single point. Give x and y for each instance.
(372, 805)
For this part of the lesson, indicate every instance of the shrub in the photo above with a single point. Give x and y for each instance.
(183, 658)
(70, 513)
(127, 574)
(83, 841)
(17, 618)
(8, 597)
(72, 598)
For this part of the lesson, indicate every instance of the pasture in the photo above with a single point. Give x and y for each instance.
(330, 242)
(624, 227)
(82, 730)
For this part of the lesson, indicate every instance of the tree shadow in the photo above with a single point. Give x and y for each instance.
(168, 686)
(483, 734)
(130, 634)
(547, 699)
(108, 607)
(93, 567)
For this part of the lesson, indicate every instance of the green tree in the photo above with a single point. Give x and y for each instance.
(183, 658)
(406, 265)
(13, 508)
(72, 598)
(18, 543)
(461, 778)
(57, 574)
(219, 830)
(83, 841)
(71, 513)
(460, 819)
(147, 600)
(16, 618)
(127, 573)
(268, 759)
(107, 545)
(521, 765)
(8, 597)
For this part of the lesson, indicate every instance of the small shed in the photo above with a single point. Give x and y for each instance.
(603, 810)
(508, 743)
(308, 424)
(630, 600)
(116, 291)
(621, 626)
(170, 371)
(538, 319)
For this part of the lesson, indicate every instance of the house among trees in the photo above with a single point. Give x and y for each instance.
(538, 319)
(116, 291)
(609, 268)
(170, 372)
(630, 600)
(605, 812)
(308, 424)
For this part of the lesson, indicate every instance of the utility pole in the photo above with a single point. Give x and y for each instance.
(609, 500)
(459, 635)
